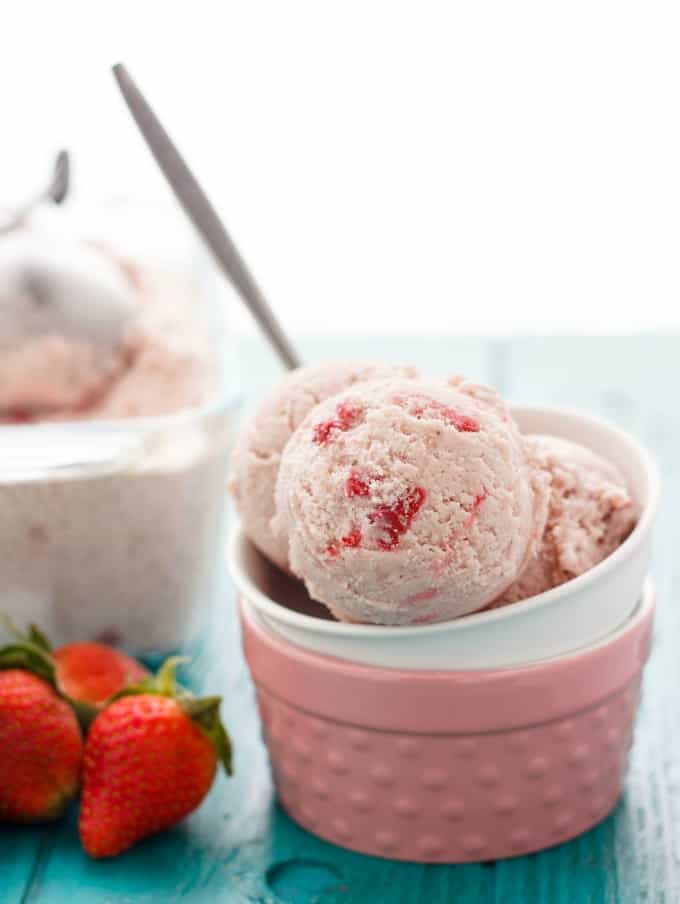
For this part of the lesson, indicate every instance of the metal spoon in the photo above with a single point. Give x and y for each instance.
(55, 192)
(203, 215)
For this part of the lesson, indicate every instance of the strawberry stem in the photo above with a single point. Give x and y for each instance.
(33, 636)
(86, 713)
(203, 711)
(38, 639)
(30, 651)
(199, 708)
(29, 656)
(165, 681)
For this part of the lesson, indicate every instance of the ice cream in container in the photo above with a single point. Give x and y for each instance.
(116, 415)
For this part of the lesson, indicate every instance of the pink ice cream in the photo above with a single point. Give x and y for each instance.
(66, 324)
(408, 502)
(84, 335)
(171, 367)
(256, 458)
(590, 514)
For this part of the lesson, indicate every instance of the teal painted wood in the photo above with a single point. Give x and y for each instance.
(239, 847)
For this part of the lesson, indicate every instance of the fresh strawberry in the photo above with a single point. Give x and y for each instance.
(92, 672)
(88, 674)
(40, 749)
(150, 759)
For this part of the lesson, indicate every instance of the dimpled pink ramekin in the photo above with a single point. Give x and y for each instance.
(449, 766)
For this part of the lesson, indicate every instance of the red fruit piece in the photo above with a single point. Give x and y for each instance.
(93, 672)
(353, 539)
(347, 416)
(350, 541)
(473, 510)
(396, 519)
(424, 596)
(357, 487)
(420, 406)
(150, 759)
(40, 749)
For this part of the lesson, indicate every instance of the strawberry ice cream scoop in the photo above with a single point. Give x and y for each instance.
(407, 502)
(255, 461)
(66, 323)
(590, 513)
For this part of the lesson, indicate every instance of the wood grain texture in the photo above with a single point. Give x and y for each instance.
(240, 847)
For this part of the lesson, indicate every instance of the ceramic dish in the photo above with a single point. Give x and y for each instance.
(565, 619)
(449, 766)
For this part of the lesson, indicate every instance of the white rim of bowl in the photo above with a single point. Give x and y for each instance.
(648, 596)
(310, 623)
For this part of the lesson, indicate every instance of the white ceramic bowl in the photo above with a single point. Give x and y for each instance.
(568, 618)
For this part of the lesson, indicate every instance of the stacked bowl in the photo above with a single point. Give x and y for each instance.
(493, 735)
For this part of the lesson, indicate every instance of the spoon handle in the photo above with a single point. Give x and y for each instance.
(203, 215)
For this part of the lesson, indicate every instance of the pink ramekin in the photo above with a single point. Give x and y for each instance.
(449, 766)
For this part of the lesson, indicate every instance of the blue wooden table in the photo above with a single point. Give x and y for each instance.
(240, 847)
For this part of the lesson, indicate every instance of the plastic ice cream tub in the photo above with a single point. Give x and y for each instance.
(112, 517)
(568, 618)
(449, 765)
(113, 529)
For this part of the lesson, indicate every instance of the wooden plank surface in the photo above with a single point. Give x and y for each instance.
(240, 847)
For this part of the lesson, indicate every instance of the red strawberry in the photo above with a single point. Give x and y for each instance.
(40, 749)
(92, 672)
(87, 674)
(150, 759)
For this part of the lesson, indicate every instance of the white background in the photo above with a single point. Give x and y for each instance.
(386, 167)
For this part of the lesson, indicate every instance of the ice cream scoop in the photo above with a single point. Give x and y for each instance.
(590, 513)
(255, 462)
(408, 502)
(66, 320)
